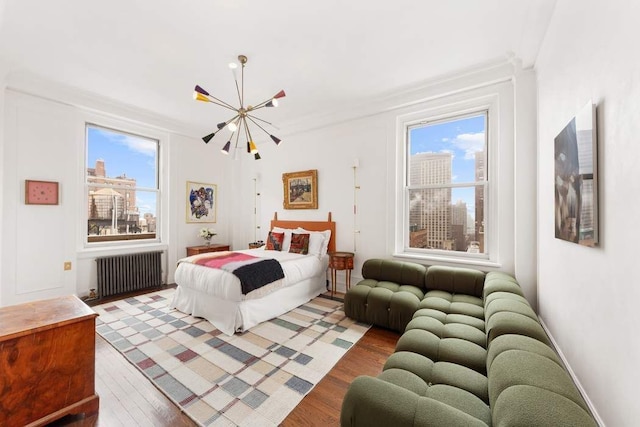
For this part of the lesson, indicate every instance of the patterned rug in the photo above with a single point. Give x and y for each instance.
(251, 379)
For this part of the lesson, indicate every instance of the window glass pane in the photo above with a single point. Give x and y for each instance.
(447, 183)
(120, 155)
(122, 186)
(452, 150)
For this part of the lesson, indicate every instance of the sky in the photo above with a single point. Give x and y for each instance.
(129, 155)
(462, 138)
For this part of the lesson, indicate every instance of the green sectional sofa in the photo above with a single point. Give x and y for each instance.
(472, 353)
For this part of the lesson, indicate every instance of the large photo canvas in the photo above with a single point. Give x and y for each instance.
(576, 183)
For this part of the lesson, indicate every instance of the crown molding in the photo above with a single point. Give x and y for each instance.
(478, 76)
(33, 85)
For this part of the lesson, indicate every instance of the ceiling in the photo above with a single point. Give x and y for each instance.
(328, 55)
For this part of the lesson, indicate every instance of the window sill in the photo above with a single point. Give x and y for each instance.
(445, 260)
(117, 248)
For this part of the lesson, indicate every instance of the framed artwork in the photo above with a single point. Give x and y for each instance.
(40, 192)
(300, 189)
(576, 179)
(201, 202)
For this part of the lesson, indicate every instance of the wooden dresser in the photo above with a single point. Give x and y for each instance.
(47, 361)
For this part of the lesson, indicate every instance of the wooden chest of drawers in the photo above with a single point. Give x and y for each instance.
(47, 361)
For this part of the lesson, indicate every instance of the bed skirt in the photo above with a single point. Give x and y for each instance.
(238, 316)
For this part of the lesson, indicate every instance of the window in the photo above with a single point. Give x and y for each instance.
(122, 186)
(445, 184)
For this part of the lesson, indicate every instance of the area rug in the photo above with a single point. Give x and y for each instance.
(251, 379)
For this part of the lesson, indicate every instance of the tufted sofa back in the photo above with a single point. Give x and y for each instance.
(455, 280)
(404, 273)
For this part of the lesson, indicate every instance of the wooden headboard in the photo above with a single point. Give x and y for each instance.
(309, 225)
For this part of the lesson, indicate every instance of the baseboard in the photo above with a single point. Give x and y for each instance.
(592, 408)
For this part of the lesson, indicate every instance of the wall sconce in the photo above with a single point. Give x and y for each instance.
(356, 187)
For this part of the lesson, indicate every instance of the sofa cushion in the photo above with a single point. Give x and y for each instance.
(440, 373)
(404, 273)
(451, 318)
(453, 303)
(372, 402)
(506, 322)
(509, 305)
(500, 282)
(518, 367)
(453, 396)
(455, 280)
(524, 405)
(519, 342)
(455, 350)
(448, 330)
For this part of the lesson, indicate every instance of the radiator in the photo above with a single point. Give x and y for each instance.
(126, 273)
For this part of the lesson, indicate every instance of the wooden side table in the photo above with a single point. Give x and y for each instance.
(196, 250)
(340, 261)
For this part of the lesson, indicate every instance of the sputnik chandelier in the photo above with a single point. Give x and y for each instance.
(239, 123)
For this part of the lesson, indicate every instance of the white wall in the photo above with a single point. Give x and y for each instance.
(588, 297)
(44, 139)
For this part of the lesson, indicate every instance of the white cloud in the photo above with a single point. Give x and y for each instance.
(143, 146)
(470, 143)
(445, 139)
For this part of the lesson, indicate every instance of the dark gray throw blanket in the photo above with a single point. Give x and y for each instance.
(260, 273)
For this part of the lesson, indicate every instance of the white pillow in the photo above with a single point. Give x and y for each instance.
(286, 243)
(318, 241)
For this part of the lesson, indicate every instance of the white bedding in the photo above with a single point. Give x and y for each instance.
(215, 294)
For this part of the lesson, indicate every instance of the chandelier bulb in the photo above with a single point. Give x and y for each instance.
(233, 127)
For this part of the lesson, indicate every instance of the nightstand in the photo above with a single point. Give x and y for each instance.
(256, 245)
(196, 250)
(340, 261)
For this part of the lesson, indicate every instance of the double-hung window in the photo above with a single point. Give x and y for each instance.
(446, 186)
(122, 186)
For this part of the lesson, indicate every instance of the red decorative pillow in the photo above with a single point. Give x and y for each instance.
(299, 243)
(274, 241)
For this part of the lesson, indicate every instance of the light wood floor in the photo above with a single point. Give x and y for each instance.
(127, 398)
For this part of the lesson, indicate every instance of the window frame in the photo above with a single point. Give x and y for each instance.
(409, 126)
(106, 242)
(496, 209)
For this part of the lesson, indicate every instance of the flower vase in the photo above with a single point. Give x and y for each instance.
(207, 241)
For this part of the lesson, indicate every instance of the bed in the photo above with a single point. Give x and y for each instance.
(216, 295)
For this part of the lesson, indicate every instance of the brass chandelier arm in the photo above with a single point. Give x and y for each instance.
(262, 104)
(238, 92)
(237, 139)
(246, 130)
(243, 61)
(256, 123)
(262, 120)
(221, 103)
